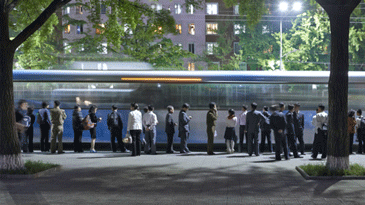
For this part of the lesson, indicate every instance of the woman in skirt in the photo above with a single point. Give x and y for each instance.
(230, 133)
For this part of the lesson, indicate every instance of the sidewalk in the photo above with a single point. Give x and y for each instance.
(195, 178)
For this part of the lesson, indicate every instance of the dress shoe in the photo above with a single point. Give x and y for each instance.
(298, 156)
(303, 153)
(211, 153)
(61, 152)
(314, 157)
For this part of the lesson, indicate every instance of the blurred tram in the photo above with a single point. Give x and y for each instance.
(229, 89)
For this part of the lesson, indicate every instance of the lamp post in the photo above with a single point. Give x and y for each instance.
(283, 6)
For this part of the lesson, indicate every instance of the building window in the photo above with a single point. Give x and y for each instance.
(212, 28)
(177, 8)
(265, 29)
(191, 66)
(178, 28)
(210, 48)
(191, 48)
(238, 28)
(79, 29)
(67, 10)
(104, 48)
(212, 8)
(67, 48)
(68, 28)
(236, 47)
(79, 9)
(100, 29)
(102, 9)
(127, 29)
(156, 7)
(192, 29)
(191, 9)
(236, 10)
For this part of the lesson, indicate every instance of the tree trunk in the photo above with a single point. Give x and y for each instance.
(10, 157)
(338, 141)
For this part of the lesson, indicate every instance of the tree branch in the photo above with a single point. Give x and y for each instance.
(36, 24)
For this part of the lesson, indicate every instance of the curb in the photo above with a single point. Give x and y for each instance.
(307, 177)
(30, 176)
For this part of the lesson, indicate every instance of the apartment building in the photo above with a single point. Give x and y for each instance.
(197, 28)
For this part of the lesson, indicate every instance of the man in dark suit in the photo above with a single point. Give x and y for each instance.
(212, 117)
(252, 128)
(170, 129)
(299, 126)
(184, 128)
(265, 130)
(290, 131)
(278, 124)
(115, 126)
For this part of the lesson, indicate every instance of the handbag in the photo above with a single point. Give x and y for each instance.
(127, 139)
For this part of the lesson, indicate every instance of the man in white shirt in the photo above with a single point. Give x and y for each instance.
(149, 122)
(322, 123)
(242, 123)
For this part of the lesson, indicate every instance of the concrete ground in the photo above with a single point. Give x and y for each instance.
(195, 178)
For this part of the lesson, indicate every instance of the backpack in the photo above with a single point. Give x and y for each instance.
(87, 124)
(113, 120)
(362, 125)
(43, 120)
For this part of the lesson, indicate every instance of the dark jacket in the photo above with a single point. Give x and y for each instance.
(289, 123)
(184, 122)
(45, 116)
(77, 121)
(253, 120)
(169, 124)
(114, 121)
(278, 121)
(212, 117)
(265, 124)
(298, 122)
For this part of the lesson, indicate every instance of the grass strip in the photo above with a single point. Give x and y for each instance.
(321, 170)
(31, 167)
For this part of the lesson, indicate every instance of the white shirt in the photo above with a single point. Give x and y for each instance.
(314, 123)
(231, 122)
(242, 118)
(321, 118)
(358, 120)
(150, 119)
(134, 120)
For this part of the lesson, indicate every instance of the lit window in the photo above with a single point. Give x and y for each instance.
(210, 48)
(238, 28)
(100, 29)
(156, 7)
(159, 29)
(79, 9)
(236, 10)
(177, 8)
(180, 45)
(191, 48)
(80, 29)
(68, 28)
(191, 66)
(236, 48)
(178, 28)
(192, 29)
(67, 10)
(265, 29)
(212, 8)
(212, 28)
(102, 9)
(191, 9)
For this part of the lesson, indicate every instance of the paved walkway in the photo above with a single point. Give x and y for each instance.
(196, 178)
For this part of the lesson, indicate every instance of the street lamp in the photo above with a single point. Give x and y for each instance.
(283, 6)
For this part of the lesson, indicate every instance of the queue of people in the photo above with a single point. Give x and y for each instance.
(287, 128)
